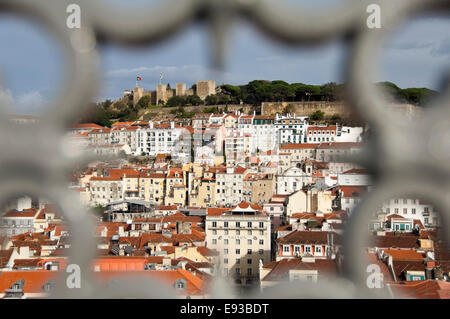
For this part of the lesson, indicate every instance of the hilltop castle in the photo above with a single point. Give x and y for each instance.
(163, 93)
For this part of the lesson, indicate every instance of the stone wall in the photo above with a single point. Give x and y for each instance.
(306, 108)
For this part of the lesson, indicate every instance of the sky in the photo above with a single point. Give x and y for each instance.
(32, 65)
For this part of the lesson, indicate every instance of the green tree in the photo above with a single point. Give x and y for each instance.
(143, 102)
(194, 100)
(317, 116)
(176, 101)
(211, 100)
(214, 110)
(223, 98)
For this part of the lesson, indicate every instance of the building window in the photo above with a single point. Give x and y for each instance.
(261, 241)
(249, 261)
(238, 241)
(214, 224)
(249, 241)
(249, 271)
(286, 249)
(238, 271)
(238, 251)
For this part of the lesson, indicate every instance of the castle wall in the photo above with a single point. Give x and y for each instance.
(306, 108)
(161, 93)
(137, 94)
(181, 89)
(205, 88)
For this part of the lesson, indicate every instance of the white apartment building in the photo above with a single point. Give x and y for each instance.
(104, 190)
(242, 236)
(19, 220)
(350, 134)
(333, 133)
(230, 186)
(330, 152)
(354, 177)
(321, 133)
(413, 209)
(235, 148)
(291, 129)
(166, 138)
(260, 129)
(292, 180)
(125, 135)
(264, 137)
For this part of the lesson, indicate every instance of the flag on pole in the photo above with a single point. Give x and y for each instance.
(138, 78)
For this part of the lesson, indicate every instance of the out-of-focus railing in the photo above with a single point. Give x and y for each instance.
(401, 153)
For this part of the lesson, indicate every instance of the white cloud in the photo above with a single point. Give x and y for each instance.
(27, 103)
(31, 100)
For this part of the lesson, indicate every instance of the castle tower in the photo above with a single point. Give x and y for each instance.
(138, 92)
(161, 93)
(205, 88)
(180, 89)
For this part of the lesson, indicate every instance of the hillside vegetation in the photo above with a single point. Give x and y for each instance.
(252, 93)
